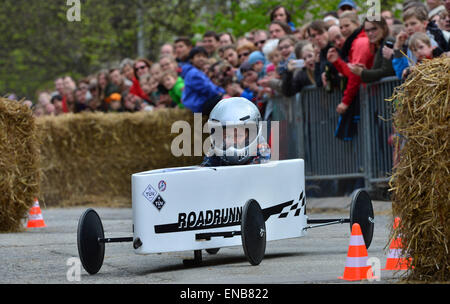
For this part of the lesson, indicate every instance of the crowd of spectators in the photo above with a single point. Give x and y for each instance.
(341, 51)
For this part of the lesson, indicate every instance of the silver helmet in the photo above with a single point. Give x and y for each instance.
(235, 130)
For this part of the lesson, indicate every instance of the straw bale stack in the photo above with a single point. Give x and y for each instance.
(19, 164)
(421, 181)
(89, 158)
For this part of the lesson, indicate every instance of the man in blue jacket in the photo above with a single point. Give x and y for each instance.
(200, 94)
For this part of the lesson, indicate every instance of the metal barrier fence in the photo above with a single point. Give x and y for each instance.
(307, 130)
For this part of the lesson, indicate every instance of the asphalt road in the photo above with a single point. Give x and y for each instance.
(50, 255)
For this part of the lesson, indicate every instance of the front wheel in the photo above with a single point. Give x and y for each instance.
(253, 232)
(90, 250)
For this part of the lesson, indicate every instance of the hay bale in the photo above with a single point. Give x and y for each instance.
(19, 164)
(421, 181)
(89, 158)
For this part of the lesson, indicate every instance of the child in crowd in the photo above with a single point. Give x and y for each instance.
(232, 88)
(420, 45)
(156, 72)
(271, 71)
(252, 91)
(416, 21)
(115, 103)
(258, 63)
(175, 85)
(129, 103)
(167, 62)
(149, 85)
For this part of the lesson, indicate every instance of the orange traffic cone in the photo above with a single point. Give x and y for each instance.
(35, 218)
(394, 260)
(356, 267)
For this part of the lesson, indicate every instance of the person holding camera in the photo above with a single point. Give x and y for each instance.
(356, 51)
(300, 72)
(325, 74)
(378, 34)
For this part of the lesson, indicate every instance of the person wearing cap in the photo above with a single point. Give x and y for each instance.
(115, 103)
(200, 94)
(249, 81)
(346, 5)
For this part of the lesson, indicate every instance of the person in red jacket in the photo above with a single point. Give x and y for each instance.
(356, 51)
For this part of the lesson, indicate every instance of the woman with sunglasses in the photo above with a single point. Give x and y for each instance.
(244, 50)
(378, 34)
(141, 67)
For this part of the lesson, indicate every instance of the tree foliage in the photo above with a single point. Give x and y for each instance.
(242, 16)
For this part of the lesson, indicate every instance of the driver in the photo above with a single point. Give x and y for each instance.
(236, 134)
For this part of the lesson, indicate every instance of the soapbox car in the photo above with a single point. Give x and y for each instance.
(208, 208)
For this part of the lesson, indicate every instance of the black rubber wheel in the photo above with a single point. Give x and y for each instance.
(253, 232)
(90, 250)
(212, 250)
(361, 212)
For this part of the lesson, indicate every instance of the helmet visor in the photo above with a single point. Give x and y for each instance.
(234, 137)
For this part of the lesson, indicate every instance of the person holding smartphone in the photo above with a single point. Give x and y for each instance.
(300, 72)
(356, 51)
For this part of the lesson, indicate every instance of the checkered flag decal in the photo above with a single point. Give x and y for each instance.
(295, 208)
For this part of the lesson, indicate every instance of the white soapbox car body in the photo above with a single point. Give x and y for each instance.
(207, 208)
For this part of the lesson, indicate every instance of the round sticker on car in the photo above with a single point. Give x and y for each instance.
(162, 185)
